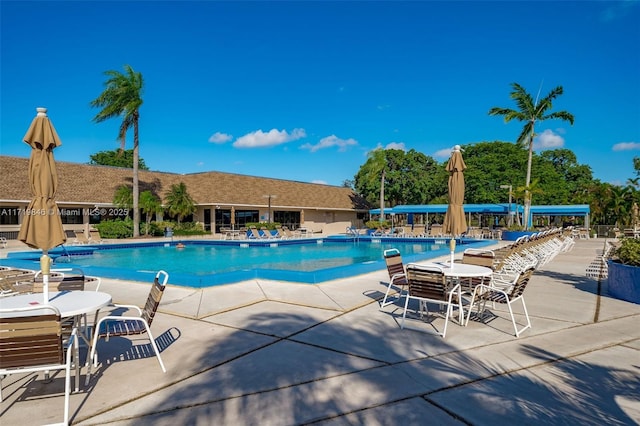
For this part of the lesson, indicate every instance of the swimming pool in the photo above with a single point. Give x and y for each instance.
(206, 263)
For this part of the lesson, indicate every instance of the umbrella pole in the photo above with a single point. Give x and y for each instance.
(45, 267)
(452, 248)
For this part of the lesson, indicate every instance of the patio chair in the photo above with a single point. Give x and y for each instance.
(94, 236)
(81, 238)
(478, 257)
(419, 230)
(288, 233)
(266, 234)
(427, 283)
(116, 325)
(435, 230)
(61, 281)
(15, 281)
(508, 295)
(279, 233)
(255, 234)
(397, 274)
(31, 342)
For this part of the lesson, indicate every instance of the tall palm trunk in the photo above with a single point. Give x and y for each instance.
(136, 189)
(527, 194)
(382, 196)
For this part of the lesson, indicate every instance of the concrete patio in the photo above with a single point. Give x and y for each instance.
(274, 353)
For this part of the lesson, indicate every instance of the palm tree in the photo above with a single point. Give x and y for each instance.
(150, 205)
(123, 197)
(530, 111)
(122, 97)
(179, 202)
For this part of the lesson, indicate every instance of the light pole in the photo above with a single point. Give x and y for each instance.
(270, 196)
(510, 188)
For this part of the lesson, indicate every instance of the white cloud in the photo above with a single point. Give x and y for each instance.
(547, 140)
(218, 137)
(627, 146)
(443, 153)
(396, 145)
(321, 182)
(329, 142)
(274, 137)
(617, 10)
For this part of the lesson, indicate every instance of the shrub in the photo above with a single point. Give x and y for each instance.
(628, 252)
(375, 224)
(188, 228)
(117, 228)
(259, 225)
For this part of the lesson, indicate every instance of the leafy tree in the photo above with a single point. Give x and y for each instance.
(116, 158)
(531, 111)
(150, 205)
(577, 177)
(636, 165)
(179, 202)
(409, 178)
(348, 183)
(413, 178)
(379, 163)
(122, 97)
(492, 164)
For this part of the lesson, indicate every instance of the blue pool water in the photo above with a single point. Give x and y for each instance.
(207, 263)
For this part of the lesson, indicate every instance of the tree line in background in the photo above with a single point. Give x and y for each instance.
(411, 177)
(392, 177)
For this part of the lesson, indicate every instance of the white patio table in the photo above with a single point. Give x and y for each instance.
(461, 270)
(71, 304)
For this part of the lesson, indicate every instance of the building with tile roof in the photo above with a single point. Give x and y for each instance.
(221, 198)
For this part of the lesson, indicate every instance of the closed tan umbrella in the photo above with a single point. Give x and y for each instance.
(41, 226)
(455, 223)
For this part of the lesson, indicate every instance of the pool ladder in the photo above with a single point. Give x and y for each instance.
(353, 231)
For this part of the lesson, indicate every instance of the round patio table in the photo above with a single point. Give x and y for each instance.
(71, 304)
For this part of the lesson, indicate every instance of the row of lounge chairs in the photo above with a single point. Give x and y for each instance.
(253, 233)
(512, 267)
(93, 238)
(280, 232)
(433, 231)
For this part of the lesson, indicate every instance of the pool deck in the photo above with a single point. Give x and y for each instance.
(274, 353)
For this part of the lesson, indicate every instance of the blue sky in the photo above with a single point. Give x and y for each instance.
(304, 90)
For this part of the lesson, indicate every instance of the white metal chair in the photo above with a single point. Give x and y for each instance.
(397, 274)
(116, 325)
(31, 342)
(427, 283)
(513, 292)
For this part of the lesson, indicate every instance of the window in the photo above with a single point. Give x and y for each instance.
(70, 216)
(287, 218)
(9, 214)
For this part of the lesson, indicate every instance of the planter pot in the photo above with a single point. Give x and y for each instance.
(624, 281)
(514, 235)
